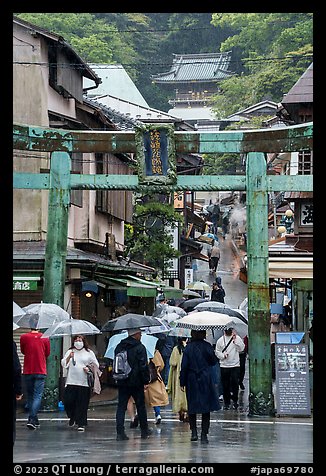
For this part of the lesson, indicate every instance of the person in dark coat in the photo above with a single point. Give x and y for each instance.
(17, 387)
(133, 385)
(196, 379)
(217, 293)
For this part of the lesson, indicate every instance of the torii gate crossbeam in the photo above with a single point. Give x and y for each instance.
(59, 181)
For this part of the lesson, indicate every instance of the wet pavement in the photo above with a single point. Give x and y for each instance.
(234, 437)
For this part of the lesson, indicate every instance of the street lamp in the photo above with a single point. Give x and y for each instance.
(286, 222)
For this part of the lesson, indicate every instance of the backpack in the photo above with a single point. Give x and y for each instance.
(121, 367)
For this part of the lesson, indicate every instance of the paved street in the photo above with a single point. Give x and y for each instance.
(234, 437)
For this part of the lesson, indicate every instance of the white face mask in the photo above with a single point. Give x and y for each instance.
(78, 344)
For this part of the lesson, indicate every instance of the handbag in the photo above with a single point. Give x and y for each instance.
(153, 374)
(90, 377)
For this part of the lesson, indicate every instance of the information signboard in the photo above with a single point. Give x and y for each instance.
(292, 379)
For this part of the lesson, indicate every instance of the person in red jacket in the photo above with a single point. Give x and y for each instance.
(36, 351)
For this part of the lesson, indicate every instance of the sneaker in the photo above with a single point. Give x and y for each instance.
(81, 428)
(122, 437)
(158, 419)
(31, 425)
(242, 387)
(145, 434)
(71, 422)
(235, 405)
(36, 422)
(226, 407)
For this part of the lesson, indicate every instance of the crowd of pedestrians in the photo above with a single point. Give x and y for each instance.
(193, 375)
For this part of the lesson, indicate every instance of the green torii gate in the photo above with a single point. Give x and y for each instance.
(59, 181)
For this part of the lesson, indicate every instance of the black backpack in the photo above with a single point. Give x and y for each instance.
(121, 367)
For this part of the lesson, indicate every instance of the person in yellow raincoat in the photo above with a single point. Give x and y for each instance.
(156, 395)
(178, 397)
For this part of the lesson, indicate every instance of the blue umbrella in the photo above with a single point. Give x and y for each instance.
(148, 341)
(211, 235)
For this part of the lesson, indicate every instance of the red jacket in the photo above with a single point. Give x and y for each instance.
(36, 351)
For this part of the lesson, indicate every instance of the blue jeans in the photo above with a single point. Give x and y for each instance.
(34, 386)
(157, 410)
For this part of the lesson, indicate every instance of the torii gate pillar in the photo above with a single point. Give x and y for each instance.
(260, 392)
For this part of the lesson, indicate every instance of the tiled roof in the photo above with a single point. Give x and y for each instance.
(122, 121)
(302, 91)
(196, 67)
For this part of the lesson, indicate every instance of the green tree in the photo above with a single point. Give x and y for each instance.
(148, 240)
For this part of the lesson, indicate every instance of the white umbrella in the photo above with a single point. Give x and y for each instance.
(204, 320)
(14, 326)
(71, 327)
(41, 315)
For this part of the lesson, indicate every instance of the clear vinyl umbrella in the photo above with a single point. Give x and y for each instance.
(41, 315)
(17, 310)
(211, 306)
(198, 286)
(71, 327)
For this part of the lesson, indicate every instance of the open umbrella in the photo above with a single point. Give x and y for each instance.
(212, 236)
(130, 321)
(189, 292)
(71, 327)
(239, 326)
(199, 286)
(41, 315)
(148, 341)
(14, 326)
(179, 332)
(211, 306)
(224, 310)
(204, 320)
(189, 304)
(17, 310)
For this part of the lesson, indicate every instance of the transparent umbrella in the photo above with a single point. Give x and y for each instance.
(71, 327)
(199, 286)
(211, 306)
(17, 310)
(41, 315)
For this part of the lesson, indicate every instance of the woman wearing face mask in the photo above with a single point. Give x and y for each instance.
(77, 392)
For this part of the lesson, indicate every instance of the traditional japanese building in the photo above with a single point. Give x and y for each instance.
(194, 79)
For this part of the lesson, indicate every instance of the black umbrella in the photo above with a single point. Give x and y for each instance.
(130, 321)
(189, 304)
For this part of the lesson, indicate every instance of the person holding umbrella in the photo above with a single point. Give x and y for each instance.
(77, 392)
(134, 385)
(227, 349)
(197, 381)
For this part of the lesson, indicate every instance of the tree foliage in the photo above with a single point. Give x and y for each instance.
(148, 240)
(270, 51)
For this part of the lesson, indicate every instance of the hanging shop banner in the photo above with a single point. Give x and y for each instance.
(292, 379)
(156, 154)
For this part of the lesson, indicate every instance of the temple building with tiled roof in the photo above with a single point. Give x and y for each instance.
(195, 78)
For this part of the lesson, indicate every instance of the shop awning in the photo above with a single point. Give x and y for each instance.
(169, 291)
(133, 288)
(290, 267)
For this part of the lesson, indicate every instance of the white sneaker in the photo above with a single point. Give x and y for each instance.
(158, 419)
(81, 428)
